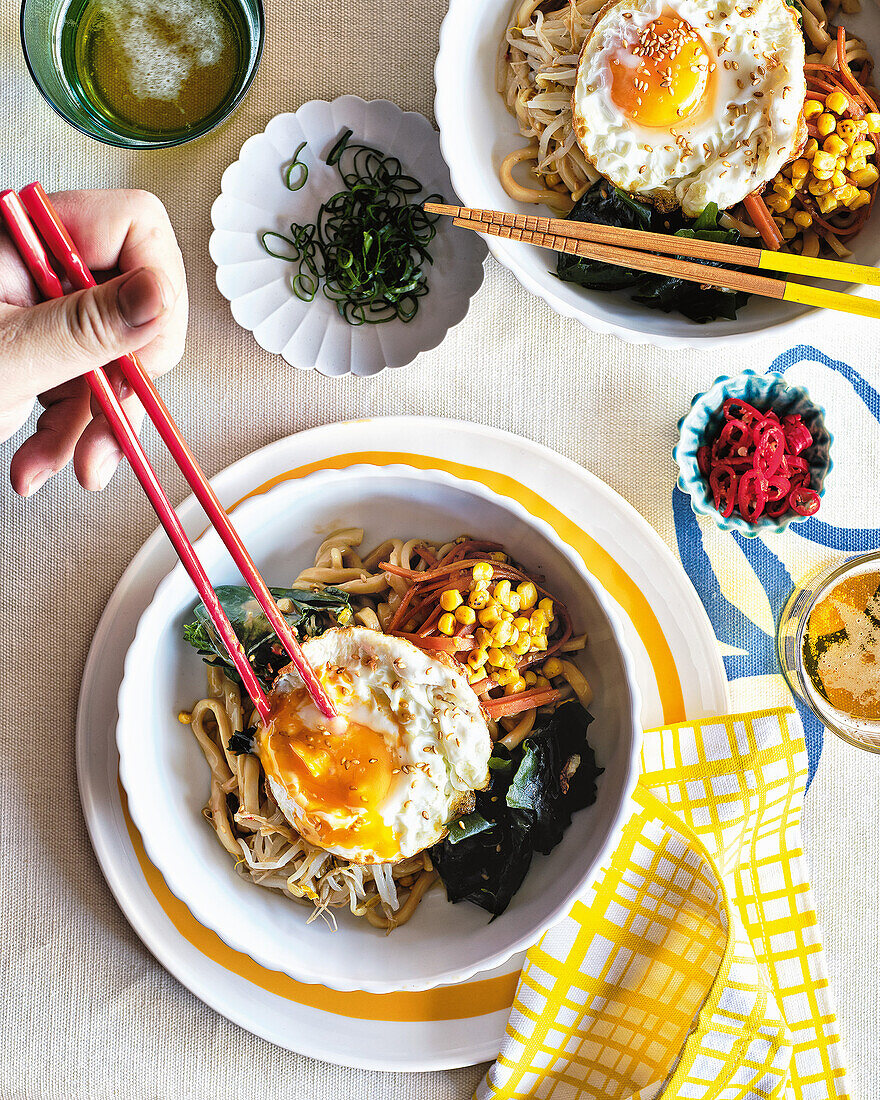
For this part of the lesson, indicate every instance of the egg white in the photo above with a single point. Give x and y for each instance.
(752, 127)
(427, 714)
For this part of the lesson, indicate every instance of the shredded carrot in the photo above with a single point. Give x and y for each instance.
(439, 642)
(762, 220)
(525, 700)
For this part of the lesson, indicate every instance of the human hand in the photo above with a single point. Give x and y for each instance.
(140, 305)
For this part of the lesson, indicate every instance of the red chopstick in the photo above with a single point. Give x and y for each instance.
(35, 202)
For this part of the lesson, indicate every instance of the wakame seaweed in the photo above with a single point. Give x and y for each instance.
(608, 205)
(527, 807)
(312, 613)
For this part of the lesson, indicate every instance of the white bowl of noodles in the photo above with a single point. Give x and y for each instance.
(167, 780)
(477, 134)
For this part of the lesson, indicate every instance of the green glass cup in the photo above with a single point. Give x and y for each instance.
(63, 39)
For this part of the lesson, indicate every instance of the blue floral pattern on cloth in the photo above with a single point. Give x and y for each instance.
(734, 628)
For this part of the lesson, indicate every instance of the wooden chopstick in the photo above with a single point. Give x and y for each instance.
(736, 254)
(35, 202)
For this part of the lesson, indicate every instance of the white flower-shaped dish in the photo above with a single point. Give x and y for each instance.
(254, 199)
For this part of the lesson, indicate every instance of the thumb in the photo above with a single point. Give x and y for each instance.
(61, 339)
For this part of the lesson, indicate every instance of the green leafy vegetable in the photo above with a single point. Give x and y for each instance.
(526, 809)
(608, 205)
(312, 613)
(368, 243)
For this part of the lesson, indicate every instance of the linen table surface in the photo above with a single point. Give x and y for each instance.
(86, 1012)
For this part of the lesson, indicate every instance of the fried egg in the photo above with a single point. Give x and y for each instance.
(414, 748)
(687, 102)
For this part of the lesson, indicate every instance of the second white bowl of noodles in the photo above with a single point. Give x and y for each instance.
(166, 778)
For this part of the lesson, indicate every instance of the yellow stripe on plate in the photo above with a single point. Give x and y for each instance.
(479, 996)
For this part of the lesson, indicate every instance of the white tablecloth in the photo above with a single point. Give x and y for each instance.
(86, 1012)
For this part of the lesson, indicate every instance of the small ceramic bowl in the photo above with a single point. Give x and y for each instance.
(254, 199)
(765, 392)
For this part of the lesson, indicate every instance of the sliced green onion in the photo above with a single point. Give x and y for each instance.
(368, 243)
(302, 169)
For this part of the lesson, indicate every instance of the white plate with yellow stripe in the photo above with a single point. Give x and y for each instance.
(678, 669)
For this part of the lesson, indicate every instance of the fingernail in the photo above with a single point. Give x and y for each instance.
(107, 468)
(37, 482)
(141, 298)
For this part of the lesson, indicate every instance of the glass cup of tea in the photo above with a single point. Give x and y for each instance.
(828, 644)
(143, 74)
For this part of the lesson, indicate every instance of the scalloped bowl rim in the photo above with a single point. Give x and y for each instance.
(201, 909)
(693, 484)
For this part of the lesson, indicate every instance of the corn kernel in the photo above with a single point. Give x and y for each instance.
(543, 683)
(861, 199)
(483, 637)
(501, 633)
(538, 625)
(834, 144)
(845, 195)
(799, 168)
(866, 177)
(477, 658)
(819, 187)
(508, 660)
(475, 675)
(521, 624)
(873, 122)
(465, 615)
(446, 625)
(490, 615)
(501, 592)
(837, 102)
(811, 147)
(848, 130)
(838, 179)
(184, 717)
(824, 162)
(530, 678)
(528, 594)
(803, 219)
(516, 685)
(547, 607)
(552, 667)
(825, 124)
(789, 231)
(495, 657)
(812, 107)
(855, 164)
(863, 149)
(780, 204)
(505, 676)
(862, 125)
(827, 203)
(479, 598)
(498, 556)
(821, 174)
(799, 182)
(450, 599)
(785, 189)
(513, 603)
(483, 572)
(522, 645)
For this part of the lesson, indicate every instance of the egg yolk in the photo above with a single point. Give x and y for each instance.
(663, 75)
(339, 780)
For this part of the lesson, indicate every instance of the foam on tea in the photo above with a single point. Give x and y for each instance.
(158, 67)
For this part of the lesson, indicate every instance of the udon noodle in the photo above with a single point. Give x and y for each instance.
(241, 808)
(536, 73)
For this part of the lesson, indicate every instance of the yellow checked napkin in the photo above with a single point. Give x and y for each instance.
(694, 966)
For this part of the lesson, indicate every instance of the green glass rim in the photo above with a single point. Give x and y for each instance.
(120, 142)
